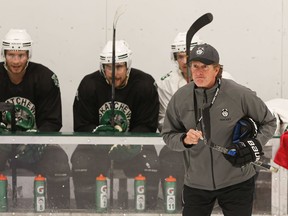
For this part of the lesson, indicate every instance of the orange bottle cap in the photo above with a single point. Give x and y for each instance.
(39, 178)
(140, 177)
(3, 177)
(170, 179)
(101, 178)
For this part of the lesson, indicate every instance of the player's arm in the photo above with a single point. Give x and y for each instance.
(48, 104)
(164, 98)
(146, 109)
(85, 112)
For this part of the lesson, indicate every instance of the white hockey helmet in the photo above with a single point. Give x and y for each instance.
(122, 54)
(17, 39)
(179, 44)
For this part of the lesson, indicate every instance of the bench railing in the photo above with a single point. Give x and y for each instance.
(278, 180)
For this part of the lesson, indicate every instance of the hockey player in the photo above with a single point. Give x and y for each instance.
(209, 174)
(136, 110)
(171, 162)
(34, 91)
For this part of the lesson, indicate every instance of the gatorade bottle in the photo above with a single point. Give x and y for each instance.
(170, 194)
(139, 190)
(39, 193)
(3, 193)
(101, 193)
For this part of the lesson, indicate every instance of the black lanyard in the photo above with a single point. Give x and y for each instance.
(212, 102)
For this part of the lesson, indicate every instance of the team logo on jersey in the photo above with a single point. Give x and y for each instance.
(122, 115)
(225, 113)
(55, 79)
(24, 113)
(167, 75)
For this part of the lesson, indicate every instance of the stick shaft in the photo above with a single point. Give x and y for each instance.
(118, 13)
(113, 80)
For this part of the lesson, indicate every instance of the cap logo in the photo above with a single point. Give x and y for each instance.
(200, 51)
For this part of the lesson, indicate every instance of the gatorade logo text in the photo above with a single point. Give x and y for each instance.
(140, 202)
(40, 201)
(171, 203)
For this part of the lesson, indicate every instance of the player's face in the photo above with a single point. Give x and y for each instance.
(120, 74)
(16, 61)
(181, 59)
(204, 75)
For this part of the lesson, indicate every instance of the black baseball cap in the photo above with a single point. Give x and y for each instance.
(204, 53)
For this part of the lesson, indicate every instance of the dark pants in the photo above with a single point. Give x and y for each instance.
(172, 164)
(54, 165)
(235, 200)
(89, 161)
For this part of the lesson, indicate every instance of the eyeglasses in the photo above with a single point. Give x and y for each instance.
(11, 56)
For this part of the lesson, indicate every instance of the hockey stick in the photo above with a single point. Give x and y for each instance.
(118, 13)
(195, 27)
(206, 130)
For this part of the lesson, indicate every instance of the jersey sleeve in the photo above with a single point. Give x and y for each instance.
(85, 112)
(146, 108)
(48, 104)
(164, 98)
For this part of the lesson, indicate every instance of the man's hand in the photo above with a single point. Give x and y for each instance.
(192, 137)
(247, 151)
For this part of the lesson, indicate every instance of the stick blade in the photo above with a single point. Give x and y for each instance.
(195, 27)
(120, 10)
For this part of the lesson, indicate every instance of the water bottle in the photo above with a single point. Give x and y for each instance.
(39, 193)
(101, 193)
(170, 194)
(139, 190)
(3, 193)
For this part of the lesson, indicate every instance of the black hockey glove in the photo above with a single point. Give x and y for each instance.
(246, 151)
(3, 127)
(107, 128)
